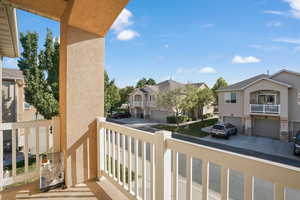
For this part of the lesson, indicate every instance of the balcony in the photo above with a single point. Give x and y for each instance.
(265, 108)
(143, 165)
(137, 103)
(151, 104)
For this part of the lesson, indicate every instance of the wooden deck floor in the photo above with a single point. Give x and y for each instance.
(89, 191)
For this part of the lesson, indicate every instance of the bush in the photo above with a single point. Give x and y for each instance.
(180, 119)
(207, 115)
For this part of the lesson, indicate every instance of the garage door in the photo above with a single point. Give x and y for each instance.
(236, 121)
(296, 127)
(266, 128)
(159, 115)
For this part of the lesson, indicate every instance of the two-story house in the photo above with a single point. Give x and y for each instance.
(264, 105)
(142, 101)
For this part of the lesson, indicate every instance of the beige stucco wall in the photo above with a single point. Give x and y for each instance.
(231, 109)
(294, 81)
(268, 85)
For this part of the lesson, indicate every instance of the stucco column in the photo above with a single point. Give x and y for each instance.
(81, 100)
(284, 129)
(248, 125)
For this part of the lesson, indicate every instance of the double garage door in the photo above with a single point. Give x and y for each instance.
(266, 127)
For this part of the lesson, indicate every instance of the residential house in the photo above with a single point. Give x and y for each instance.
(143, 102)
(264, 105)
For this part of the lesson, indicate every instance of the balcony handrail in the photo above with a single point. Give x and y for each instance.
(23, 129)
(164, 150)
(265, 108)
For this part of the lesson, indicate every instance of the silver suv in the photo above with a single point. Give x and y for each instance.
(223, 129)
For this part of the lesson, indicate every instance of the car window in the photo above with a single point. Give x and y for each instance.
(218, 127)
(298, 136)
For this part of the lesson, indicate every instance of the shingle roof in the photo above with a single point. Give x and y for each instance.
(12, 74)
(240, 85)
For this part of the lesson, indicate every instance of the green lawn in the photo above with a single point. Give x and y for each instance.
(191, 129)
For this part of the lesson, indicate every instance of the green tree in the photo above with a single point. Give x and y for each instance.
(112, 96)
(220, 83)
(124, 94)
(172, 100)
(143, 82)
(197, 98)
(37, 69)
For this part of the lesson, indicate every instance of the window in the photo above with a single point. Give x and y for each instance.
(230, 97)
(152, 98)
(26, 106)
(298, 97)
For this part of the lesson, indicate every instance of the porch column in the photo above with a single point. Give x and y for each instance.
(81, 100)
(248, 125)
(284, 129)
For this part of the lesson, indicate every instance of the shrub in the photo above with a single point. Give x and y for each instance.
(207, 115)
(180, 119)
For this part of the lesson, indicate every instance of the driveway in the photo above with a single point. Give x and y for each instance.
(258, 144)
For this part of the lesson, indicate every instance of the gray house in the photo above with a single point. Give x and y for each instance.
(264, 105)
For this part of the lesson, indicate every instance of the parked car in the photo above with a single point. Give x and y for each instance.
(224, 130)
(297, 144)
(120, 115)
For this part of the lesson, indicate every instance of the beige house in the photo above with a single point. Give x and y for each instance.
(142, 101)
(263, 105)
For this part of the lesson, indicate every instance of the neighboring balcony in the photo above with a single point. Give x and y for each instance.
(265, 108)
(151, 104)
(137, 103)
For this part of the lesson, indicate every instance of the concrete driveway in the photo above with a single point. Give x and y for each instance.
(258, 144)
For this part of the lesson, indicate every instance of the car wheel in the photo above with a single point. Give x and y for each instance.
(212, 135)
(296, 153)
(226, 137)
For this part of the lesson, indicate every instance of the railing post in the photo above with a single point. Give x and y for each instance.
(163, 174)
(100, 146)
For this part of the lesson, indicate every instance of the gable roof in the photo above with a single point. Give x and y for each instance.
(285, 71)
(12, 74)
(240, 85)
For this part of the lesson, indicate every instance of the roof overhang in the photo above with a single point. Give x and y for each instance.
(93, 16)
(9, 40)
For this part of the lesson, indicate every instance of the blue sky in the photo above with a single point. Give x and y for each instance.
(195, 40)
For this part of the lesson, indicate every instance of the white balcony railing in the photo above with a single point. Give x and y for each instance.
(137, 103)
(265, 108)
(148, 166)
(25, 142)
(151, 104)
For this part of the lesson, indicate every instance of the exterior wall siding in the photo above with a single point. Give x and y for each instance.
(231, 109)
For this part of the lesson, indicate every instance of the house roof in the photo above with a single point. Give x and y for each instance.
(248, 82)
(240, 85)
(286, 71)
(12, 74)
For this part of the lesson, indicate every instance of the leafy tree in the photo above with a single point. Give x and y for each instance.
(220, 83)
(197, 98)
(38, 68)
(143, 82)
(124, 94)
(172, 100)
(112, 97)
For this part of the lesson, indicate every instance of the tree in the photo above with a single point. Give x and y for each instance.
(143, 82)
(220, 83)
(124, 94)
(172, 100)
(111, 94)
(197, 98)
(38, 71)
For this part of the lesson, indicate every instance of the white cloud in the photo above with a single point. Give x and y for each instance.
(120, 26)
(295, 7)
(287, 40)
(274, 24)
(166, 46)
(208, 70)
(244, 60)
(127, 35)
(122, 21)
(293, 12)
(274, 12)
(207, 26)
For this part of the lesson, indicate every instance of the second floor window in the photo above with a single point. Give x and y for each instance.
(152, 98)
(230, 97)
